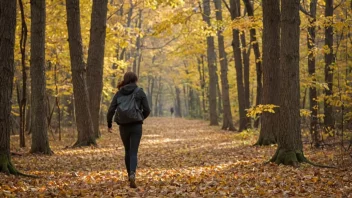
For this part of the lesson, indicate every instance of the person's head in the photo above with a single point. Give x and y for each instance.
(128, 78)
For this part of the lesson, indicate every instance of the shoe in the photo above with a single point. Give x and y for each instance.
(132, 180)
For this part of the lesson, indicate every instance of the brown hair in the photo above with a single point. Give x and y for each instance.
(128, 78)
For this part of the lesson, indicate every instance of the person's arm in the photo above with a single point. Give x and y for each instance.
(111, 111)
(145, 105)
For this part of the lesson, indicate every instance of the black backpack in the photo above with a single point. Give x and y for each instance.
(127, 109)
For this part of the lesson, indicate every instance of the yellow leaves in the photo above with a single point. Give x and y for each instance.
(256, 110)
(177, 158)
(154, 4)
(246, 23)
(305, 113)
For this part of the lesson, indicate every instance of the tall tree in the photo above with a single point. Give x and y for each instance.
(329, 59)
(271, 62)
(95, 62)
(80, 92)
(311, 70)
(178, 110)
(258, 61)
(22, 95)
(7, 43)
(235, 12)
(290, 147)
(40, 141)
(211, 55)
(246, 68)
(227, 123)
(138, 51)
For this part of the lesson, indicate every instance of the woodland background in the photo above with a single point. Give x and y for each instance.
(278, 71)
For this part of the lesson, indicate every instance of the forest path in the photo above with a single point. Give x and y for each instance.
(177, 158)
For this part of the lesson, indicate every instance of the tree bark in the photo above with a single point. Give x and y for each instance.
(202, 84)
(138, 45)
(150, 92)
(246, 68)
(40, 141)
(80, 92)
(95, 62)
(22, 96)
(211, 56)
(313, 104)
(178, 109)
(290, 148)
(7, 43)
(329, 59)
(271, 62)
(235, 12)
(227, 122)
(258, 61)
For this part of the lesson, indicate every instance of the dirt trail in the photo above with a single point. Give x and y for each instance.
(177, 158)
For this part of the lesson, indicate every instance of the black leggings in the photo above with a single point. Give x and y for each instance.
(131, 136)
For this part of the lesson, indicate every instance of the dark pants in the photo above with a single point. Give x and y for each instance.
(131, 136)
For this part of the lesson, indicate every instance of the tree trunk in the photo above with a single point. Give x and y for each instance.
(271, 63)
(329, 59)
(258, 66)
(7, 40)
(80, 92)
(246, 68)
(178, 109)
(313, 104)
(95, 62)
(218, 91)
(150, 92)
(227, 122)
(211, 56)
(290, 148)
(202, 84)
(40, 141)
(28, 118)
(235, 12)
(185, 112)
(22, 98)
(138, 45)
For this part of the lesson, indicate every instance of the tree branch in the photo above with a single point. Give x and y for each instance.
(227, 5)
(305, 11)
(162, 46)
(338, 5)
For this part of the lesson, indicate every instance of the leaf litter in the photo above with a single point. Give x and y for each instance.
(177, 158)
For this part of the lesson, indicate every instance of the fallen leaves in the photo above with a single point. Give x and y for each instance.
(177, 158)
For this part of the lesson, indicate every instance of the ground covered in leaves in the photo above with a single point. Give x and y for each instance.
(177, 158)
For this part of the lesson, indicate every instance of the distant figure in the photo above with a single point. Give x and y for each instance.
(172, 111)
(130, 107)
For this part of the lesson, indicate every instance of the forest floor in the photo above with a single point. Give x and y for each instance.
(177, 158)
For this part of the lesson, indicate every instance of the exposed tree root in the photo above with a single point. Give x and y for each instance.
(46, 152)
(84, 143)
(293, 158)
(7, 167)
(265, 142)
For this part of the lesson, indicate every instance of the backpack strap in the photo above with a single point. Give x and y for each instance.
(134, 94)
(136, 90)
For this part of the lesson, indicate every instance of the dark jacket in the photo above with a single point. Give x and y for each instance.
(141, 100)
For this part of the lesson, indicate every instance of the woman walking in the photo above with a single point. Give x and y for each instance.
(130, 107)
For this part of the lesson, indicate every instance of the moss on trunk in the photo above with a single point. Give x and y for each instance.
(6, 166)
(288, 157)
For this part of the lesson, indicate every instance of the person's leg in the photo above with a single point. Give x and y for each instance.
(125, 137)
(136, 135)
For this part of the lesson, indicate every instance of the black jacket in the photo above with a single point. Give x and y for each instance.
(141, 100)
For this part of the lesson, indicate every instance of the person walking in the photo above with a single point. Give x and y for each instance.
(172, 111)
(129, 107)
